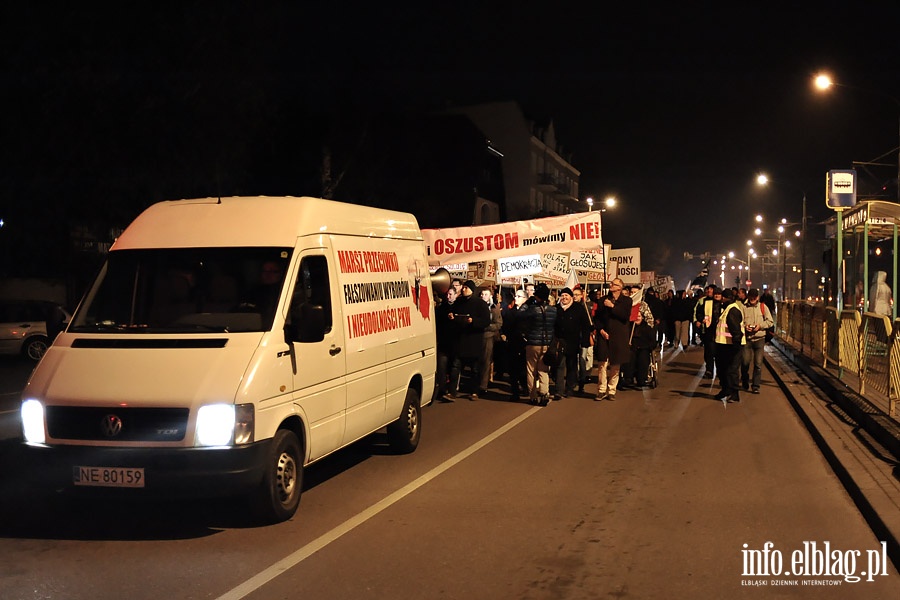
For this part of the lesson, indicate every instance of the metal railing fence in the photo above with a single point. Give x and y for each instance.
(864, 345)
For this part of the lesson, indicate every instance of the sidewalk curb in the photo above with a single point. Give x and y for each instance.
(848, 432)
(873, 419)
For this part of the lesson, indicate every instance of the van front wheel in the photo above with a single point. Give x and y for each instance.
(279, 495)
(404, 433)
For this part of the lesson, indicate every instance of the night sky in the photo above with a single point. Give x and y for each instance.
(672, 111)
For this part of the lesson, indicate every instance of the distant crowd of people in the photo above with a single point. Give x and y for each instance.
(486, 335)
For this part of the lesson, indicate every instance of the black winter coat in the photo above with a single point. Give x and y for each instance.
(574, 326)
(616, 322)
(538, 321)
(470, 336)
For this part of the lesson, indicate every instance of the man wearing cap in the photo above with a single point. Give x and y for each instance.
(574, 327)
(470, 316)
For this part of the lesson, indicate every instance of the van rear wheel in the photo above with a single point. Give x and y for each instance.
(404, 433)
(279, 494)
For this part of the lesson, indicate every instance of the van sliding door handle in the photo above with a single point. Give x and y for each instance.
(334, 351)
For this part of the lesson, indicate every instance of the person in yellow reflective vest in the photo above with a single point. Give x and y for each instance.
(706, 314)
(729, 347)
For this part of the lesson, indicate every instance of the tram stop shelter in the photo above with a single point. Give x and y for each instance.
(868, 244)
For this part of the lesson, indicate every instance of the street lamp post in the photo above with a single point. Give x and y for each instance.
(764, 180)
(744, 273)
(608, 203)
(824, 82)
(803, 248)
(783, 251)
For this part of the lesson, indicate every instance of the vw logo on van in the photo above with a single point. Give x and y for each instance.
(111, 426)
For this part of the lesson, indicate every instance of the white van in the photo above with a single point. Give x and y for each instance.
(229, 342)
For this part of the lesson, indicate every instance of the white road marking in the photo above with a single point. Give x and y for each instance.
(282, 566)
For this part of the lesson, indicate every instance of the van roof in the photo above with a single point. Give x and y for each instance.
(258, 221)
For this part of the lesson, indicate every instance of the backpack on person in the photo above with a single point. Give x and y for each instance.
(770, 332)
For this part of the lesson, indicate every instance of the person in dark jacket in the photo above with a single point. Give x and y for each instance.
(706, 314)
(491, 336)
(682, 307)
(515, 344)
(730, 339)
(539, 320)
(573, 326)
(586, 357)
(660, 314)
(643, 340)
(446, 340)
(613, 333)
(470, 316)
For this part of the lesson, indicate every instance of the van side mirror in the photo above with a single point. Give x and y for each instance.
(305, 324)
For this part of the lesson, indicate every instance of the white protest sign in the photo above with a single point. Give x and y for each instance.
(456, 270)
(627, 263)
(555, 267)
(519, 266)
(587, 261)
(663, 284)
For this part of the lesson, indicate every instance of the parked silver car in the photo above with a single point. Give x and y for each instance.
(23, 326)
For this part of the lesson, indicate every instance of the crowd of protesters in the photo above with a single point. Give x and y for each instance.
(487, 336)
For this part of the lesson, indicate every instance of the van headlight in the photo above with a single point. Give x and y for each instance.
(224, 424)
(32, 412)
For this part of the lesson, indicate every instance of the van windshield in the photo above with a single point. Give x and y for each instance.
(185, 290)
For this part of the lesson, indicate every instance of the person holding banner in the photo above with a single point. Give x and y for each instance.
(539, 321)
(586, 358)
(574, 326)
(613, 326)
(513, 330)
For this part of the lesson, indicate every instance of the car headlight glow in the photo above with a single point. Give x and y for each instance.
(32, 412)
(225, 424)
(215, 425)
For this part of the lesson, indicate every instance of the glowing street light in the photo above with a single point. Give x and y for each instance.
(608, 202)
(823, 82)
(763, 180)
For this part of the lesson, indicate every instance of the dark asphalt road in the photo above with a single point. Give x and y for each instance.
(654, 495)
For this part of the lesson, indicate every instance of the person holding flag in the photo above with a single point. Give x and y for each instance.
(639, 305)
